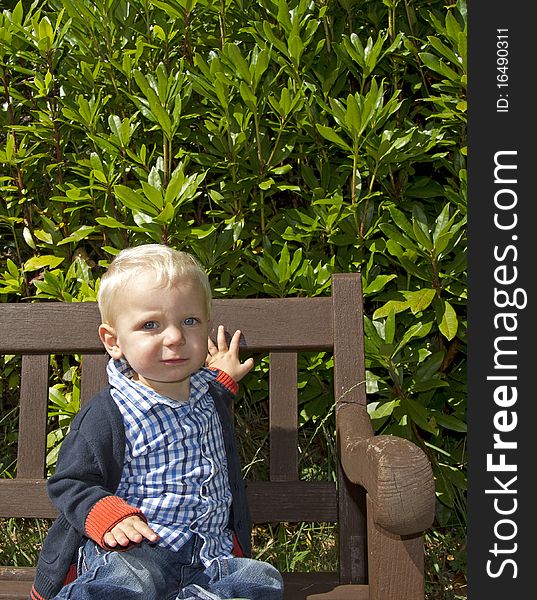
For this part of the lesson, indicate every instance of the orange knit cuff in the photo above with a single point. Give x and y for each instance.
(34, 595)
(106, 514)
(227, 381)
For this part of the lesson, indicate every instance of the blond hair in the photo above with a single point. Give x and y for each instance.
(168, 265)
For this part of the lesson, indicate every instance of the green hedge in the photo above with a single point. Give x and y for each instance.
(280, 141)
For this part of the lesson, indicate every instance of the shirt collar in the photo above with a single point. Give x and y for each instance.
(120, 377)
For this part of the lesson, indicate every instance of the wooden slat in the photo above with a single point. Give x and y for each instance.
(353, 550)
(283, 416)
(405, 555)
(292, 501)
(349, 386)
(15, 584)
(15, 590)
(349, 364)
(278, 324)
(269, 501)
(33, 417)
(94, 377)
(49, 327)
(266, 323)
(25, 498)
(16, 574)
(320, 586)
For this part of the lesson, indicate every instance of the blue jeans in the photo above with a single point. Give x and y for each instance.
(149, 572)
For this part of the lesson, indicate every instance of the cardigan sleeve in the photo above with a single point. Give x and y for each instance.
(88, 472)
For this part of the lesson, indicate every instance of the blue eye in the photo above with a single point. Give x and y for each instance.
(150, 325)
(190, 321)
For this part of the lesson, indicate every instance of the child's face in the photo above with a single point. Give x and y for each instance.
(161, 332)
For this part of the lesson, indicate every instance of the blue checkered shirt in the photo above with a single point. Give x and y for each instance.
(175, 467)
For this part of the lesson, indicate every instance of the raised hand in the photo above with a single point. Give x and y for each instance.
(226, 358)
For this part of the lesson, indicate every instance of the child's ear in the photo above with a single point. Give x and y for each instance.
(109, 338)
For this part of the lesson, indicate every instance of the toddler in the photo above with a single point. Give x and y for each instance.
(148, 484)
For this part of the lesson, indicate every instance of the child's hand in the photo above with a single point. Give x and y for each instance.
(227, 359)
(131, 530)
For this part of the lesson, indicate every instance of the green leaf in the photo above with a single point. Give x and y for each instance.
(43, 236)
(260, 63)
(296, 261)
(283, 15)
(450, 422)
(153, 194)
(156, 110)
(353, 115)
(248, 96)
(420, 415)
(444, 50)
(389, 328)
(170, 8)
(80, 234)
(378, 284)
(296, 48)
(401, 221)
(182, 189)
(447, 319)
(122, 129)
(27, 235)
(430, 366)
(418, 301)
(167, 214)
(435, 64)
(417, 330)
(237, 59)
(430, 384)
(115, 224)
(420, 227)
(269, 267)
(12, 268)
(371, 332)
(384, 409)
(40, 262)
(394, 234)
(283, 269)
(134, 200)
(329, 134)
(396, 306)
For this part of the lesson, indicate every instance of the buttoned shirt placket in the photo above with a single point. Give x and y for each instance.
(175, 463)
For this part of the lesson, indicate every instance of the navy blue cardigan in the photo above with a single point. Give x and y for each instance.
(88, 473)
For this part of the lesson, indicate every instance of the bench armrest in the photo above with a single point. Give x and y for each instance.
(395, 473)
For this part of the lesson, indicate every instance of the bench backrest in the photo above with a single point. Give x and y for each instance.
(281, 327)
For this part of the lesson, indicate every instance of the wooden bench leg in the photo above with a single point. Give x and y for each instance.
(399, 575)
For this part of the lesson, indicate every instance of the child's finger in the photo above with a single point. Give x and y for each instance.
(117, 537)
(221, 339)
(110, 540)
(248, 364)
(235, 341)
(211, 346)
(144, 529)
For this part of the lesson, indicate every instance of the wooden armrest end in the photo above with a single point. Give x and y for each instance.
(396, 474)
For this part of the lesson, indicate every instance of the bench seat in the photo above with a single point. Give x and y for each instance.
(15, 584)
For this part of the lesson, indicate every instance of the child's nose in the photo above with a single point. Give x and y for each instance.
(174, 336)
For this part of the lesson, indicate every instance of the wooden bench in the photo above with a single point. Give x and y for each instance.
(384, 496)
